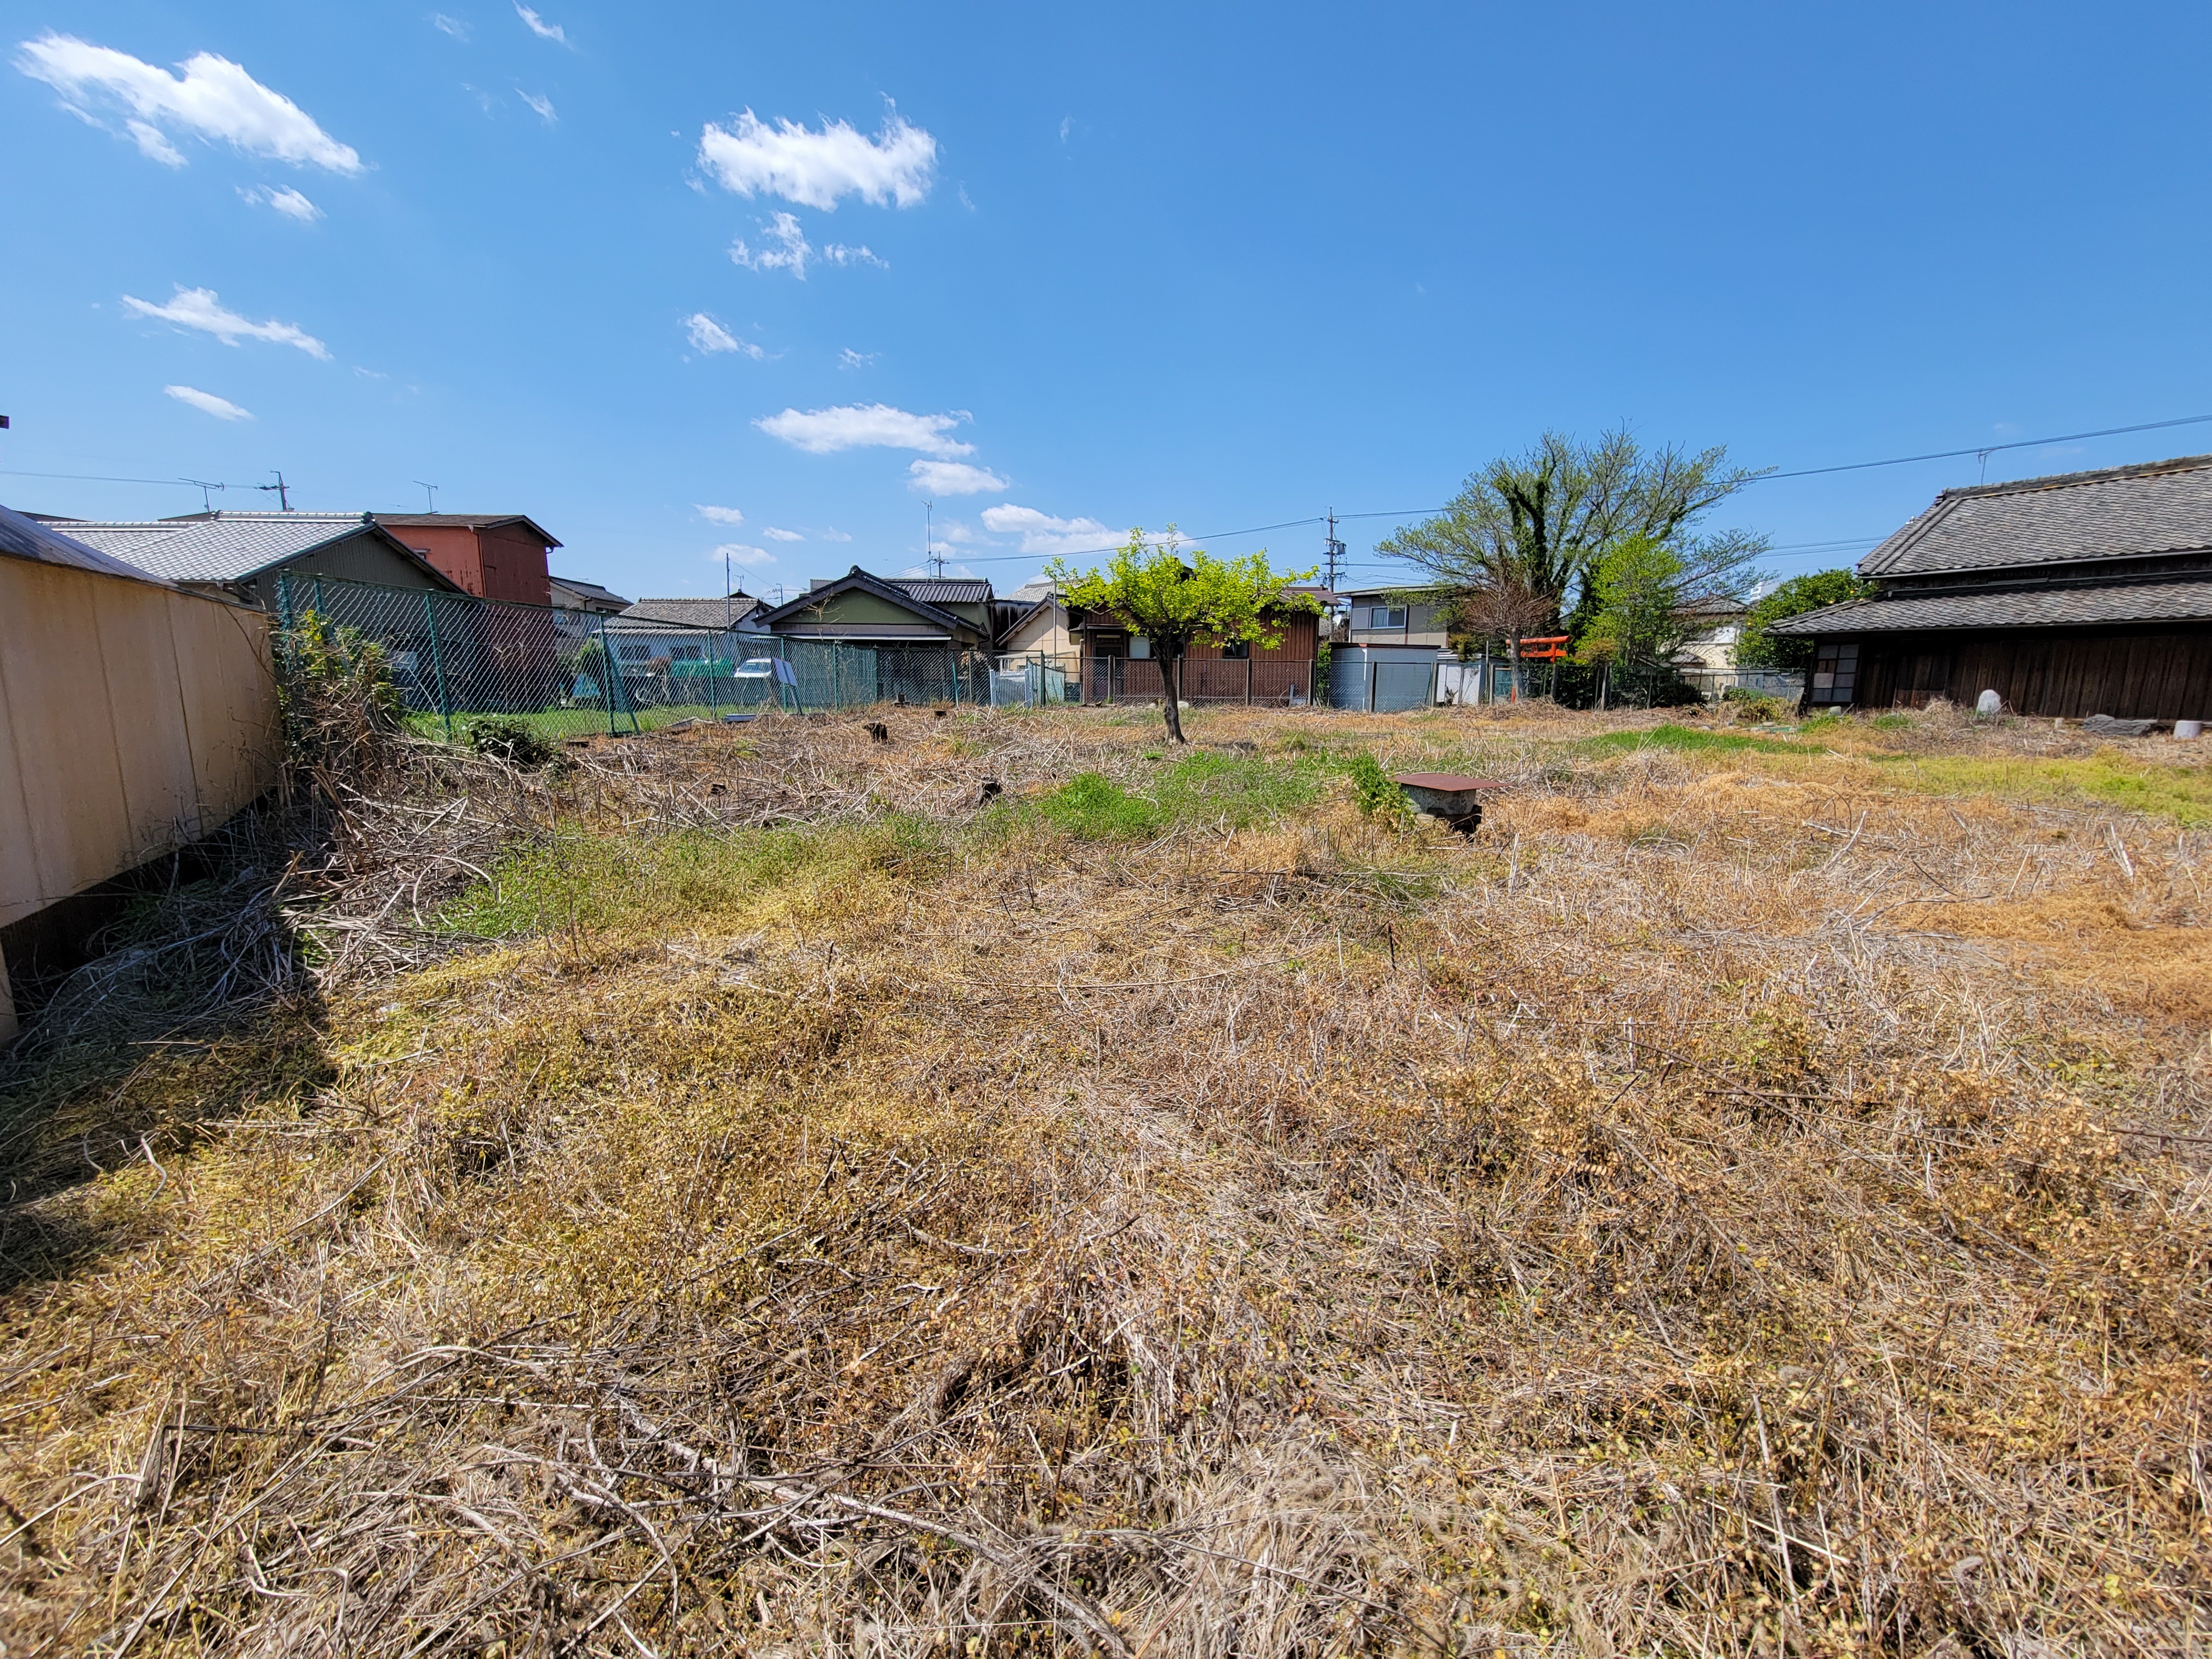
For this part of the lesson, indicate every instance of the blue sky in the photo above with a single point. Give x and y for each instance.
(1072, 271)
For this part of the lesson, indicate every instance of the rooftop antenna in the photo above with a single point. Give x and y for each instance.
(929, 538)
(429, 493)
(203, 486)
(283, 493)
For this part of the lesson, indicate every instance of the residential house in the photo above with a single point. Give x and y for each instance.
(1117, 664)
(242, 555)
(1035, 621)
(495, 555)
(578, 608)
(681, 651)
(860, 609)
(2076, 594)
(1394, 615)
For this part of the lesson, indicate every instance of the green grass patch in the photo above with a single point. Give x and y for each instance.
(687, 878)
(1685, 739)
(2182, 795)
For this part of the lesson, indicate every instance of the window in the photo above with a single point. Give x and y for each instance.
(633, 651)
(1139, 647)
(1237, 650)
(1835, 671)
(1386, 616)
(685, 653)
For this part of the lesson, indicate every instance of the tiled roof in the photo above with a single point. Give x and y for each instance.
(943, 590)
(591, 591)
(692, 613)
(2017, 607)
(219, 548)
(27, 538)
(2123, 512)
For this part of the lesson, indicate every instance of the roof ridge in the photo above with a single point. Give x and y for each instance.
(2069, 480)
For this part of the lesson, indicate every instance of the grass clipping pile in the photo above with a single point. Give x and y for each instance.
(1715, 1211)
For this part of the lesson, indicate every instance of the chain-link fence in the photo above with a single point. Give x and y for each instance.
(570, 672)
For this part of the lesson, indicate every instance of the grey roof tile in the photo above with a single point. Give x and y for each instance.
(943, 590)
(2082, 606)
(689, 613)
(2073, 518)
(226, 547)
(27, 538)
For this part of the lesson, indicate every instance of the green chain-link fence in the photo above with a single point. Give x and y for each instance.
(569, 673)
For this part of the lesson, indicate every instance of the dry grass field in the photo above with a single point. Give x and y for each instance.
(761, 1191)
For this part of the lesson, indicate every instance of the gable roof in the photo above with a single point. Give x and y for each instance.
(24, 538)
(692, 613)
(2068, 518)
(464, 521)
(860, 579)
(229, 547)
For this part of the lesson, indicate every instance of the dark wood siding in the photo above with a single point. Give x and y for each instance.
(2070, 673)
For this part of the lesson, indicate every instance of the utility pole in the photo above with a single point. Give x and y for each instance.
(283, 495)
(1335, 550)
(929, 538)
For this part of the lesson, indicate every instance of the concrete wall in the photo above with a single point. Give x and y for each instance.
(134, 719)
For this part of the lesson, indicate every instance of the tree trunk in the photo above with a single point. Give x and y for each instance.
(1171, 683)
(1513, 668)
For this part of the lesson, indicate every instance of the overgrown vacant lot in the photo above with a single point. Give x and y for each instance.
(762, 1193)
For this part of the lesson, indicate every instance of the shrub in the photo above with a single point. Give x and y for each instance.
(1756, 707)
(506, 737)
(1372, 789)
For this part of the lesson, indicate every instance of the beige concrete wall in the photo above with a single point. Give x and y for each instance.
(134, 719)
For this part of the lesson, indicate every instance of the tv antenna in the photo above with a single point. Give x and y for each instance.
(203, 485)
(283, 491)
(429, 493)
(929, 538)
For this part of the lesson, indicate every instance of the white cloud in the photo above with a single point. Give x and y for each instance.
(720, 514)
(286, 201)
(833, 536)
(816, 169)
(792, 251)
(953, 478)
(1042, 533)
(1066, 126)
(538, 27)
(221, 407)
(709, 336)
(542, 106)
(199, 308)
(776, 535)
(864, 426)
(153, 144)
(740, 553)
(452, 26)
(849, 358)
(212, 98)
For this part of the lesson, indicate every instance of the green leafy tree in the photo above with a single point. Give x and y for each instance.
(1176, 597)
(1640, 589)
(1525, 531)
(1755, 647)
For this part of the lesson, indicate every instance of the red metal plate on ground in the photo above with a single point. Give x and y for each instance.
(1444, 782)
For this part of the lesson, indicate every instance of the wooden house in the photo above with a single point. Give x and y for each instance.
(2078, 594)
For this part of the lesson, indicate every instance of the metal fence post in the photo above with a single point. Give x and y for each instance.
(437, 656)
(320, 610)
(606, 670)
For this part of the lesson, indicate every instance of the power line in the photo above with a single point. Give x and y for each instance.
(1985, 450)
(96, 477)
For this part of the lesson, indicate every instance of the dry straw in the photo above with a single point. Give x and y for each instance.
(1734, 1205)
